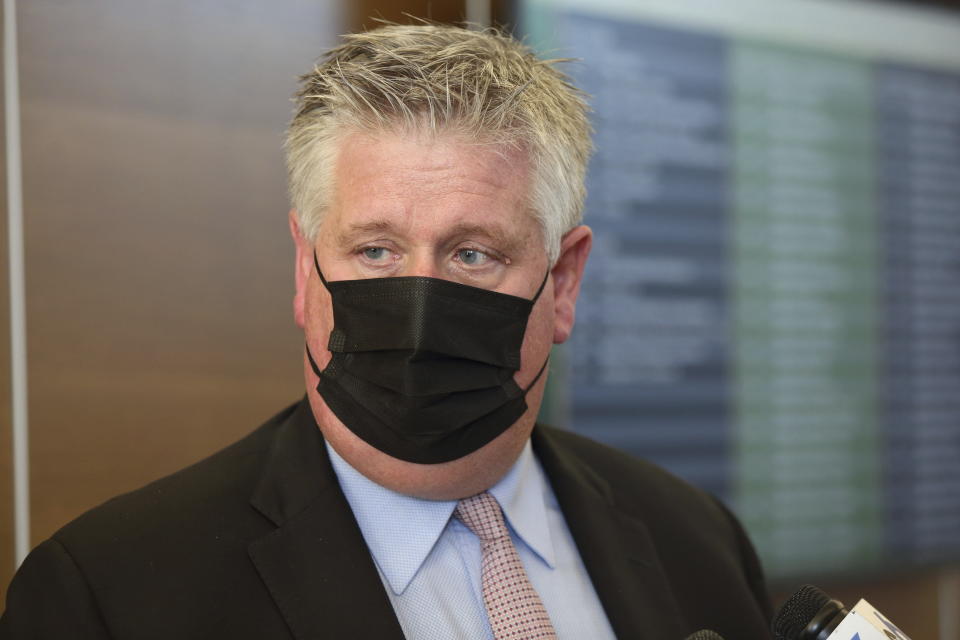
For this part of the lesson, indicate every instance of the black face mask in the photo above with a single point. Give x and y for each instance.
(421, 368)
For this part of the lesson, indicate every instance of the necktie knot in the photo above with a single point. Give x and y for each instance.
(482, 515)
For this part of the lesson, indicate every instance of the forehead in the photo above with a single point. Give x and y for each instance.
(438, 180)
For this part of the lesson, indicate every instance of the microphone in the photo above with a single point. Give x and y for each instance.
(810, 614)
(705, 634)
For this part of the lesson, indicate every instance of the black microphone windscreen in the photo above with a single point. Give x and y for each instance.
(797, 612)
(705, 634)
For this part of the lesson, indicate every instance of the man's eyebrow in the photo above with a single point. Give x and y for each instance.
(497, 235)
(352, 232)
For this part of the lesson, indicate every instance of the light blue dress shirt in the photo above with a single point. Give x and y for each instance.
(430, 562)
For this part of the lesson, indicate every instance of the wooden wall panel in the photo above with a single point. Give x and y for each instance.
(366, 13)
(159, 264)
(6, 445)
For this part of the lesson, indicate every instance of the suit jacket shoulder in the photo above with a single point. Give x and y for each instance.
(139, 564)
(256, 541)
(637, 485)
(690, 555)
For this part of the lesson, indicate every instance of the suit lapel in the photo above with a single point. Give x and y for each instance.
(316, 565)
(615, 546)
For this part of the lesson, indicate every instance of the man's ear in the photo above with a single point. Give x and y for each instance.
(301, 269)
(567, 275)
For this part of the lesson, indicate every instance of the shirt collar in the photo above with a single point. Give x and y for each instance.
(401, 530)
(521, 494)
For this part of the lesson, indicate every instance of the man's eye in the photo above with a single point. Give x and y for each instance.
(472, 257)
(375, 253)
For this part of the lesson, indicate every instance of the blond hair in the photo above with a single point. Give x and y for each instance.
(435, 79)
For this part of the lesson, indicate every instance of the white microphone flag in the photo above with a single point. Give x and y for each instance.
(866, 623)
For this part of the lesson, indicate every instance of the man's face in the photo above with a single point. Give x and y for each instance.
(403, 206)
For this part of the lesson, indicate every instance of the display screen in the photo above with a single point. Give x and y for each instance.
(772, 306)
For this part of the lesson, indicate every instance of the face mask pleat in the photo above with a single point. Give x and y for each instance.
(427, 414)
(417, 373)
(443, 445)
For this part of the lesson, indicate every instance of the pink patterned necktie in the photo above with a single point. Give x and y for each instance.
(513, 606)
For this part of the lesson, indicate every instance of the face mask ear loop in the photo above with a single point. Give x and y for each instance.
(535, 378)
(313, 364)
(324, 280)
(536, 296)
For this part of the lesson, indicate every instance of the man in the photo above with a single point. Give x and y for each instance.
(437, 182)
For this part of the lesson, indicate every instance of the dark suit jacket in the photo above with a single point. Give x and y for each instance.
(259, 542)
